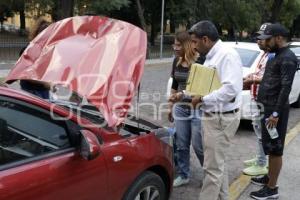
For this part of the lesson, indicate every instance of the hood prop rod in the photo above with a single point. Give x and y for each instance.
(137, 104)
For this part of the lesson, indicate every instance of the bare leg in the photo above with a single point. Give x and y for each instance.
(275, 164)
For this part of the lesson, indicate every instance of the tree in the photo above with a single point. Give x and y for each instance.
(5, 12)
(18, 6)
(62, 9)
(140, 11)
(103, 7)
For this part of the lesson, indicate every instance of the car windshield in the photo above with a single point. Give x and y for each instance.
(295, 49)
(247, 56)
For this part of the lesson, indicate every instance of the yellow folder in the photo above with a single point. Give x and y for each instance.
(202, 80)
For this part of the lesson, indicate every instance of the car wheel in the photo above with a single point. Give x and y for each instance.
(297, 103)
(148, 186)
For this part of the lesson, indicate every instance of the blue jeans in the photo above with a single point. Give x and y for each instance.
(261, 157)
(188, 128)
(256, 122)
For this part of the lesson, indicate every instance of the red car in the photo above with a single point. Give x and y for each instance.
(61, 150)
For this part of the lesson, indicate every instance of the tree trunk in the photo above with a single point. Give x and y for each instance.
(231, 35)
(140, 11)
(275, 10)
(22, 18)
(172, 23)
(219, 28)
(62, 9)
(67, 7)
(153, 32)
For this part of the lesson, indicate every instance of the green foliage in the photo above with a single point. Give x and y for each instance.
(103, 7)
(5, 10)
(37, 8)
(289, 12)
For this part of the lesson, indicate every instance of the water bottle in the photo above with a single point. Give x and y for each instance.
(272, 131)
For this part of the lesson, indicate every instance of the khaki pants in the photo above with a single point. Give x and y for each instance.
(218, 130)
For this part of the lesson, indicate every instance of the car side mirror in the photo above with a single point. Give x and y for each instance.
(89, 145)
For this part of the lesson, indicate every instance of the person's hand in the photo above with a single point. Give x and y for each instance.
(272, 122)
(247, 81)
(176, 97)
(170, 113)
(197, 101)
(170, 116)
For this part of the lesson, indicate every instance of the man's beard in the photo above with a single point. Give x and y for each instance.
(273, 49)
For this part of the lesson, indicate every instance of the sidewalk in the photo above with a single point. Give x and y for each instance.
(289, 179)
(157, 62)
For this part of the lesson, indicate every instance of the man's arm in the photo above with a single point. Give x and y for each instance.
(231, 75)
(287, 73)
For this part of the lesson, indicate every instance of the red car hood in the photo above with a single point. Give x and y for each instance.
(99, 58)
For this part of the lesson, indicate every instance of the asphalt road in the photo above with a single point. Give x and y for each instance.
(243, 147)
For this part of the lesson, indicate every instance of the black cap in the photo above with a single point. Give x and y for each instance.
(262, 28)
(273, 30)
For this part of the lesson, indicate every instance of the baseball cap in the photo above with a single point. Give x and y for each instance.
(273, 30)
(262, 28)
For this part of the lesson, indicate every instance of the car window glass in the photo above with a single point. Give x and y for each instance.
(27, 132)
(247, 56)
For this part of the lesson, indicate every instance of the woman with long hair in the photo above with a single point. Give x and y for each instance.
(187, 119)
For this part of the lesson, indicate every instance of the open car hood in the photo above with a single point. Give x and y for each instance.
(101, 59)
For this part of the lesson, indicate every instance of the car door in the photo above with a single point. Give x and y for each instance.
(295, 92)
(39, 161)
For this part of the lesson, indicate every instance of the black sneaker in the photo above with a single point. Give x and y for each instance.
(265, 193)
(260, 180)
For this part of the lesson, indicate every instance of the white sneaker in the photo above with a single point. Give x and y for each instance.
(251, 162)
(256, 170)
(179, 181)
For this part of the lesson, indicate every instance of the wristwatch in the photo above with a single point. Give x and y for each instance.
(275, 114)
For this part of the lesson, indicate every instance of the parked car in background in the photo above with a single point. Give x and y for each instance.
(250, 55)
(295, 47)
(57, 149)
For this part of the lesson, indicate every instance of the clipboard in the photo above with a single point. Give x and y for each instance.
(202, 80)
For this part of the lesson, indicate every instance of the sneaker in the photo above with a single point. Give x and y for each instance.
(255, 170)
(250, 162)
(265, 193)
(260, 180)
(179, 181)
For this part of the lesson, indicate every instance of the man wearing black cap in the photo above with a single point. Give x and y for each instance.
(273, 94)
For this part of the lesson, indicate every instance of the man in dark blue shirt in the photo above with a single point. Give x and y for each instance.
(273, 94)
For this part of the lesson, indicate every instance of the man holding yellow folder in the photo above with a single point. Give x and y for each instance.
(221, 114)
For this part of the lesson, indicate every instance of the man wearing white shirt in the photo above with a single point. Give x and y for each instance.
(221, 115)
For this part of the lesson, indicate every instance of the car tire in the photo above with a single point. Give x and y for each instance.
(146, 185)
(297, 103)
